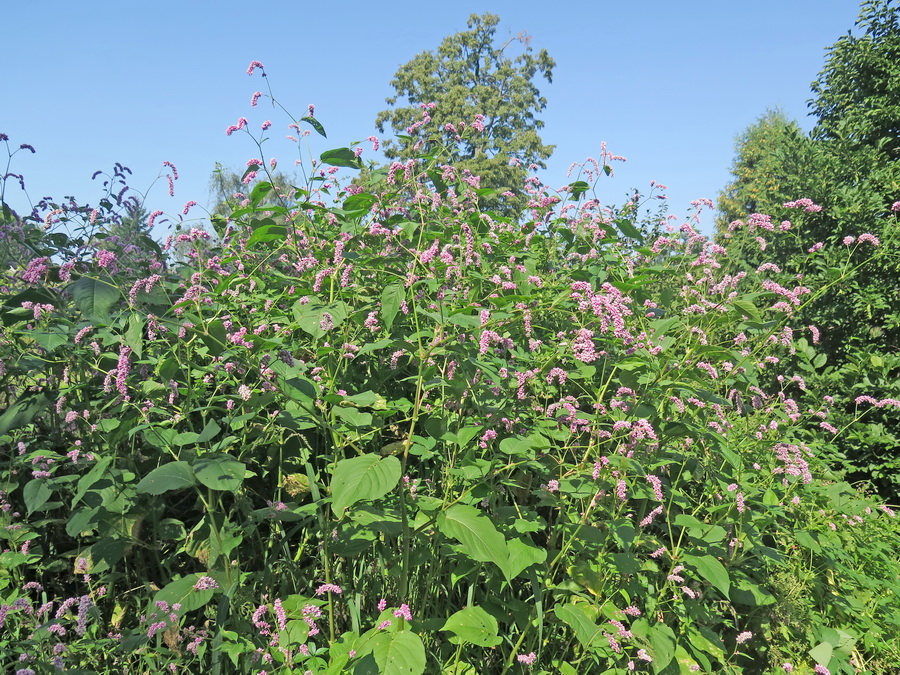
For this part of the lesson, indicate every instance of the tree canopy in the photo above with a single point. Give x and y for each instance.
(485, 104)
(858, 92)
(825, 194)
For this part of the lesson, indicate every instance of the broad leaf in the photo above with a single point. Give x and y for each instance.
(36, 494)
(473, 625)
(94, 297)
(220, 472)
(183, 592)
(391, 297)
(171, 476)
(711, 570)
(399, 653)
(314, 123)
(362, 478)
(575, 617)
(341, 157)
(479, 538)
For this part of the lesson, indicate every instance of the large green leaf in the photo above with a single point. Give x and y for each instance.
(576, 618)
(49, 339)
(399, 653)
(662, 646)
(711, 570)
(22, 412)
(522, 556)
(391, 297)
(134, 336)
(94, 297)
(171, 476)
(220, 472)
(315, 124)
(341, 157)
(479, 538)
(182, 592)
(473, 625)
(361, 478)
(36, 493)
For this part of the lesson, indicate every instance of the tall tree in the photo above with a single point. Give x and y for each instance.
(486, 104)
(771, 160)
(858, 92)
(850, 167)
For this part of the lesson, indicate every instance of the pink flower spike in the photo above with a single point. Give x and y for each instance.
(205, 584)
(255, 98)
(253, 66)
(329, 588)
(403, 612)
(527, 659)
(870, 238)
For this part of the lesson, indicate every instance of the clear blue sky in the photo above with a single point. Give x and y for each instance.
(667, 84)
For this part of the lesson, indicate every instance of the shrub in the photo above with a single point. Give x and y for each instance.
(391, 432)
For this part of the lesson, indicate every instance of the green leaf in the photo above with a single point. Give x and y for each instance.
(366, 477)
(220, 472)
(522, 556)
(576, 618)
(576, 189)
(806, 540)
(627, 228)
(267, 233)
(49, 339)
(314, 123)
(711, 570)
(391, 298)
(83, 520)
(662, 646)
(88, 480)
(182, 592)
(341, 157)
(22, 412)
(706, 640)
(36, 493)
(821, 653)
(516, 446)
(746, 308)
(210, 431)
(94, 297)
(399, 653)
(479, 538)
(134, 336)
(171, 476)
(362, 202)
(185, 438)
(260, 190)
(473, 625)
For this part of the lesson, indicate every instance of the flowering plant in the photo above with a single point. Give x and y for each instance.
(379, 429)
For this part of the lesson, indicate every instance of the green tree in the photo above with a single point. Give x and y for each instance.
(849, 167)
(858, 92)
(474, 83)
(771, 160)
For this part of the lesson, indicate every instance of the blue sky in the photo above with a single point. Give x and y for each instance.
(668, 85)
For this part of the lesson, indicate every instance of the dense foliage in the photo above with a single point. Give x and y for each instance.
(394, 432)
(852, 176)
